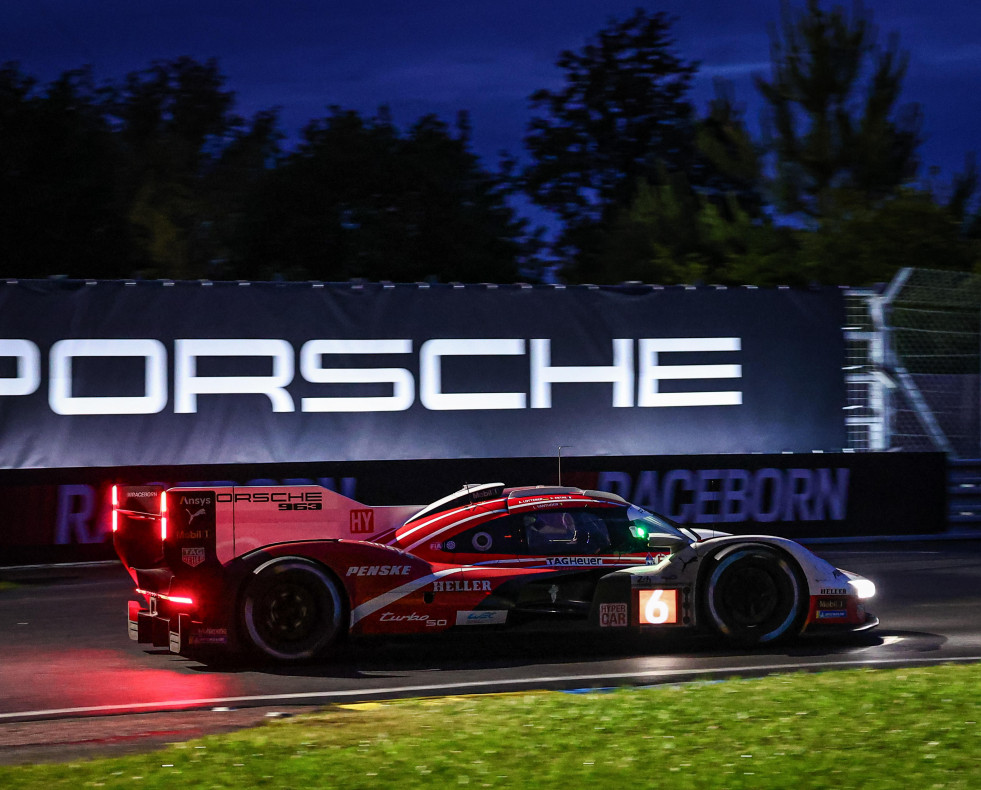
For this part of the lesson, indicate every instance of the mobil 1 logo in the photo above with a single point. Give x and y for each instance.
(192, 514)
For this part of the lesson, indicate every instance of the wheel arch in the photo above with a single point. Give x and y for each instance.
(711, 559)
(721, 552)
(258, 562)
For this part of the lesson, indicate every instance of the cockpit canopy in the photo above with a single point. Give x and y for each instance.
(545, 521)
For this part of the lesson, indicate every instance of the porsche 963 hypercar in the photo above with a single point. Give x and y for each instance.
(288, 571)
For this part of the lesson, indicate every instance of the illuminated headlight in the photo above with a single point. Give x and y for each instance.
(863, 588)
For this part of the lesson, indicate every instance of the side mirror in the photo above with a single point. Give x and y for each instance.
(670, 543)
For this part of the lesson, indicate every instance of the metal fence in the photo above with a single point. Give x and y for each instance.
(866, 412)
(914, 375)
(926, 357)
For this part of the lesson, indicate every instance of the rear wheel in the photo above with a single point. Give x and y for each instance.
(755, 595)
(292, 610)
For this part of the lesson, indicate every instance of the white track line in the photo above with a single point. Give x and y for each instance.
(465, 686)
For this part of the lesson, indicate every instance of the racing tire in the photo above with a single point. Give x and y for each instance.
(755, 595)
(292, 610)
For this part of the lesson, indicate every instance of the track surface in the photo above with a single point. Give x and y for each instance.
(64, 651)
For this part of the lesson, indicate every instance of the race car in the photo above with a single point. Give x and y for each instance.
(287, 572)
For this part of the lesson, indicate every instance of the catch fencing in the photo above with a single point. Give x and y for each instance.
(913, 374)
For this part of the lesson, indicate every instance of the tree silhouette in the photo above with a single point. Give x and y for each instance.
(358, 199)
(834, 123)
(59, 165)
(623, 123)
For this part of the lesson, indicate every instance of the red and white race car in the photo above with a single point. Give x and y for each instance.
(288, 571)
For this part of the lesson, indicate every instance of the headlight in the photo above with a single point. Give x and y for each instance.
(863, 588)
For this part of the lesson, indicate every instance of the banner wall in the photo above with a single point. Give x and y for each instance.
(157, 373)
(48, 515)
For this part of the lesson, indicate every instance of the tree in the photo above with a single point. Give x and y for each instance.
(671, 234)
(731, 157)
(621, 115)
(175, 122)
(623, 119)
(59, 164)
(143, 178)
(863, 244)
(844, 155)
(834, 126)
(226, 188)
(358, 199)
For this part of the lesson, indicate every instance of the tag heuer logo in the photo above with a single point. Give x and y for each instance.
(193, 555)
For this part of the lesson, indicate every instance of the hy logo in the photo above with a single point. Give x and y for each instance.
(362, 521)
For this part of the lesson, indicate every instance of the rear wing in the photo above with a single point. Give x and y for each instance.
(136, 525)
(137, 501)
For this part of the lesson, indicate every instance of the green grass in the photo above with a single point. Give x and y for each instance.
(913, 729)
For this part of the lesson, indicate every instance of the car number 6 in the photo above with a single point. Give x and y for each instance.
(657, 610)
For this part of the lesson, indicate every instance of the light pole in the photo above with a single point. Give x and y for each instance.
(560, 460)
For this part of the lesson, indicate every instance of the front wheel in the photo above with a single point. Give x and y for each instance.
(755, 595)
(292, 610)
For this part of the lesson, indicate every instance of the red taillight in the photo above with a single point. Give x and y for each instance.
(172, 598)
(115, 506)
(163, 516)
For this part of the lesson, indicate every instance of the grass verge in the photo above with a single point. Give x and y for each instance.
(904, 728)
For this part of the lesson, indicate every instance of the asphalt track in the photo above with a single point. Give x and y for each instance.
(64, 651)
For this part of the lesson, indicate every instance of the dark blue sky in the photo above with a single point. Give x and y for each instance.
(421, 56)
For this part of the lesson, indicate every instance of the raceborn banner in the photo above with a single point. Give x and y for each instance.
(63, 514)
(156, 373)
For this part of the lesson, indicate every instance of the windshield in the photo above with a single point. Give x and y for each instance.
(583, 531)
(644, 525)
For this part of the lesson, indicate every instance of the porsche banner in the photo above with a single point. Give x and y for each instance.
(161, 373)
